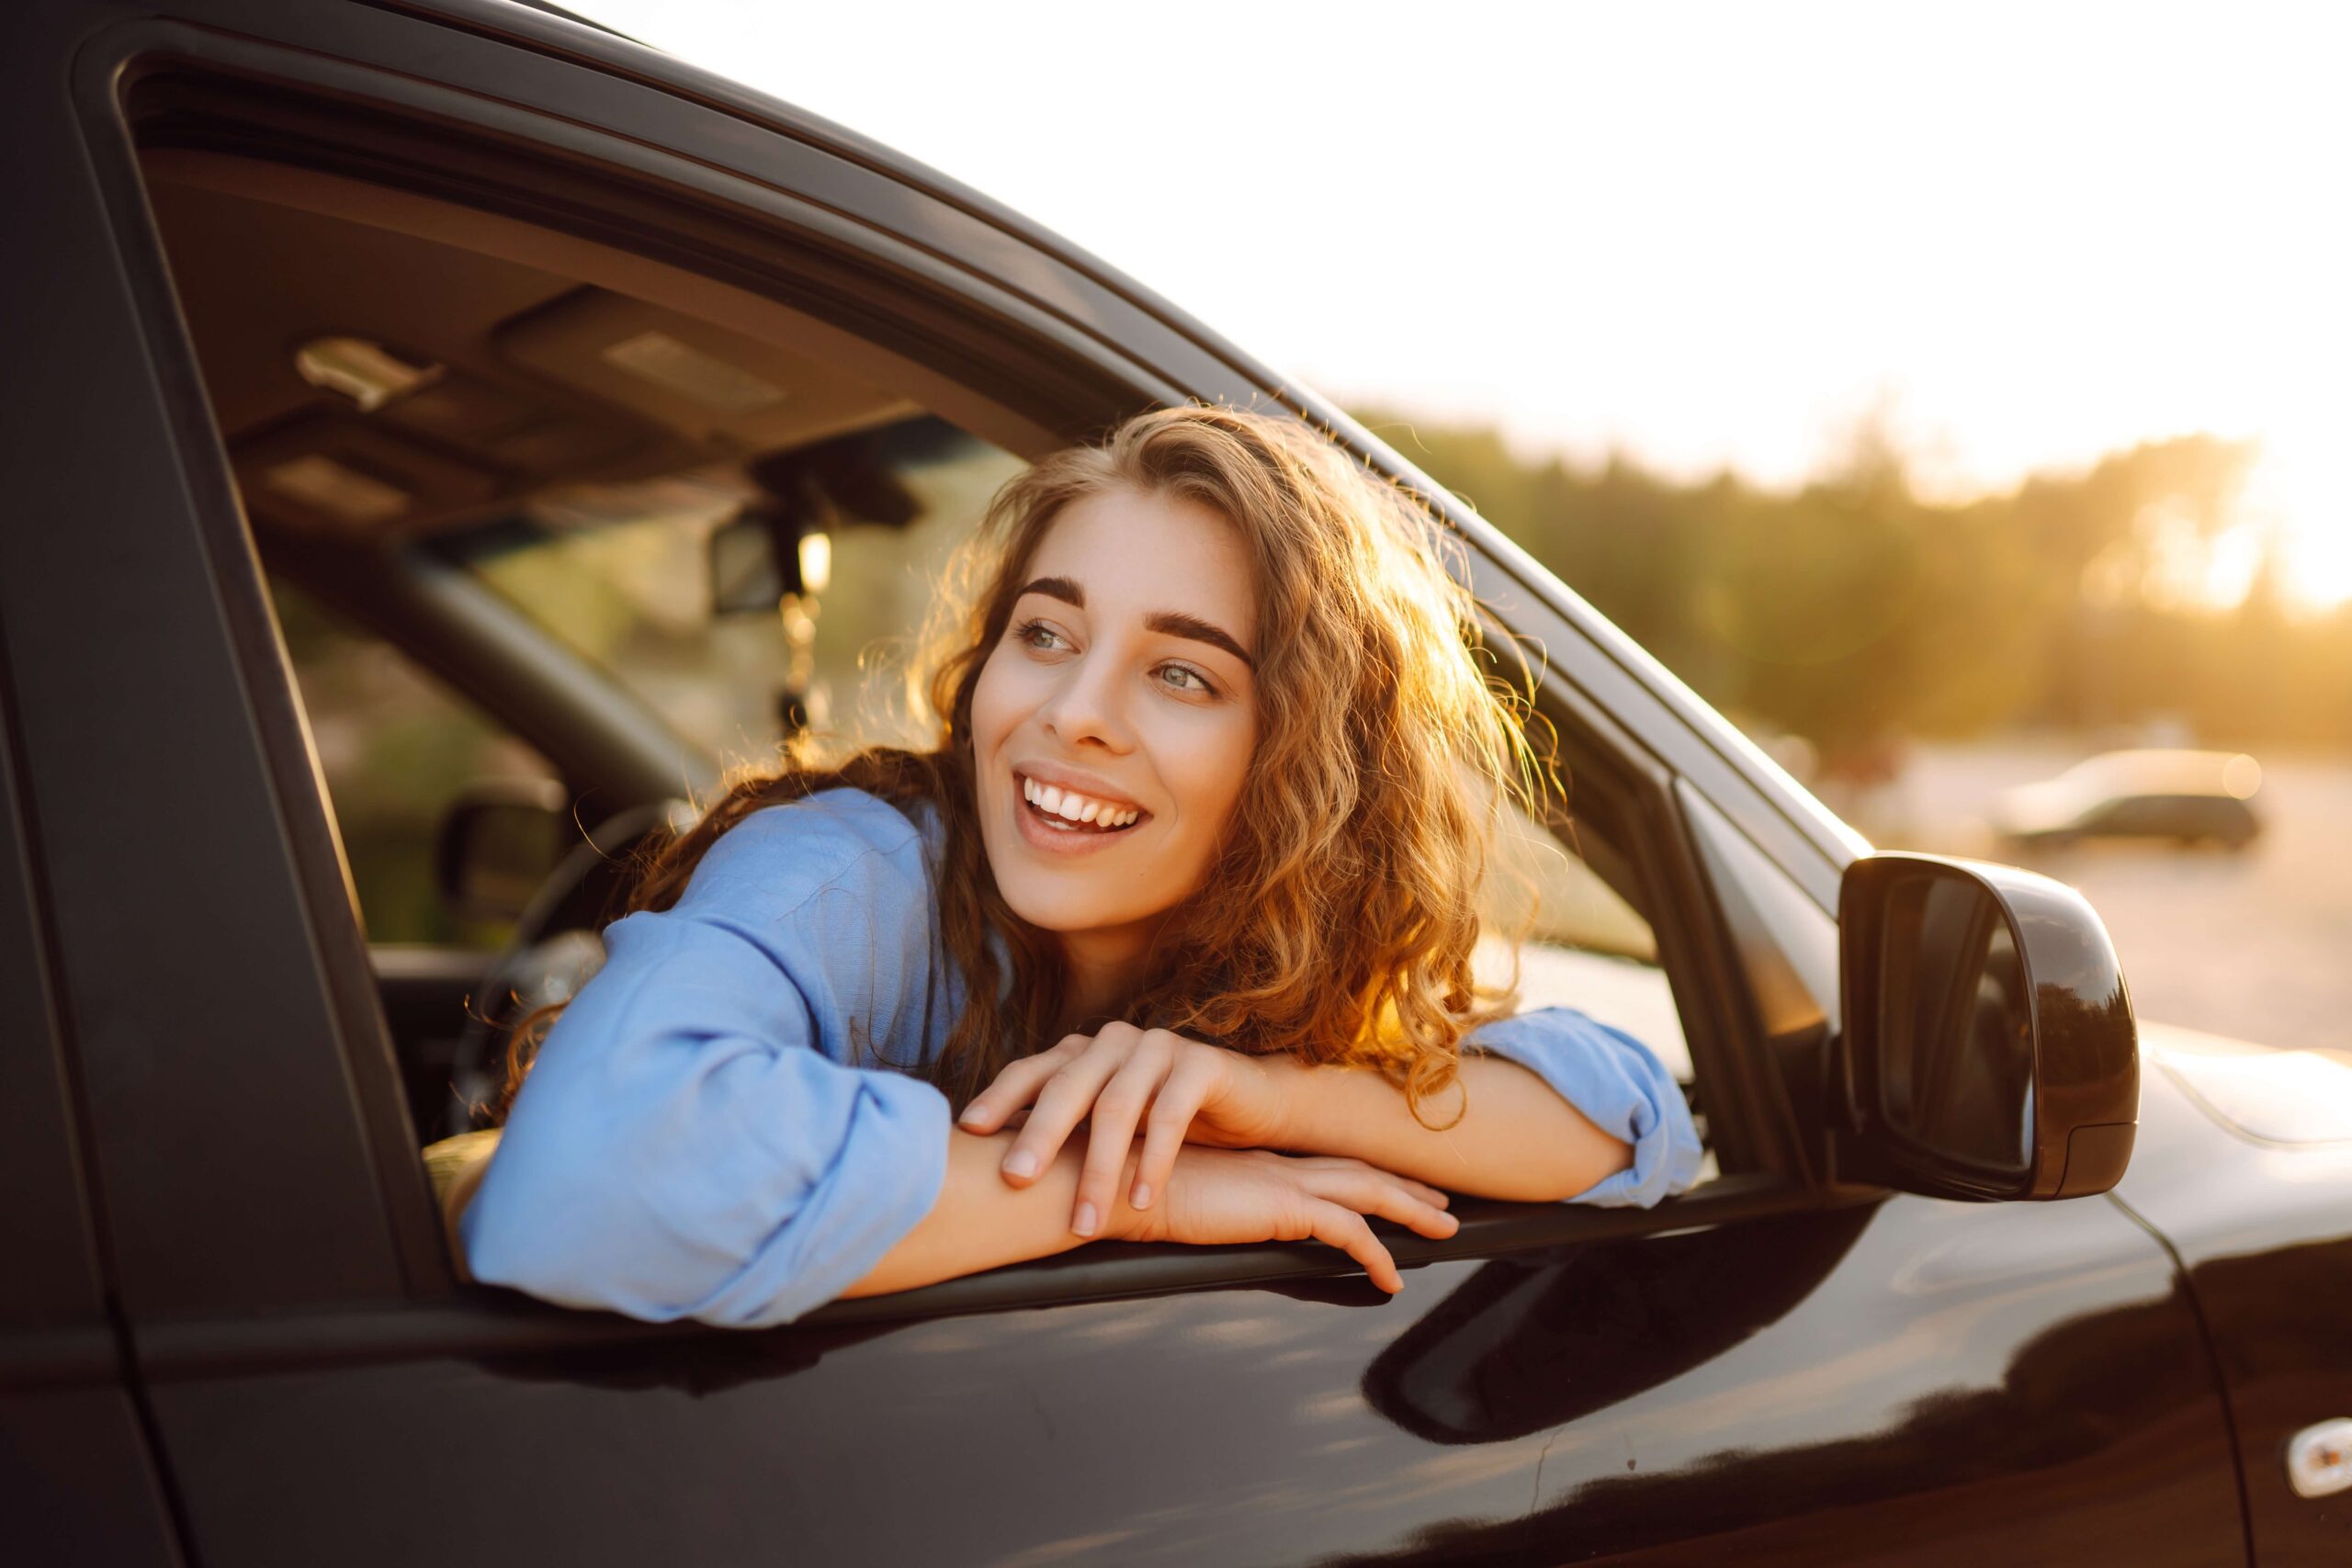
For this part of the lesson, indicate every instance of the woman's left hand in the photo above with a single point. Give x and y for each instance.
(1177, 1090)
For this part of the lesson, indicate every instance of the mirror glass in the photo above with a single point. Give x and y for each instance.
(506, 850)
(1955, 1022)
(745, 577)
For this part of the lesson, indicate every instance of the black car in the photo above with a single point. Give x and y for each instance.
(433, 421)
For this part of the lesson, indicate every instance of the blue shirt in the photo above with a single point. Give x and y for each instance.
(724, 1123)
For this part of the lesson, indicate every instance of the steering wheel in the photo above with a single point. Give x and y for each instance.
(556, 945)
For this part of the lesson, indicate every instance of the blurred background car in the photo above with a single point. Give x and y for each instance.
(2186, 797)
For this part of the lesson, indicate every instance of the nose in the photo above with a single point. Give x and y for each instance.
(1088, 703)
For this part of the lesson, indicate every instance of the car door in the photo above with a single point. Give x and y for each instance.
(77, 1483)
(1770, 1365)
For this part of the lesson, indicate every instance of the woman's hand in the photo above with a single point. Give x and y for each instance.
(1191, 1091)
(1215, 1196)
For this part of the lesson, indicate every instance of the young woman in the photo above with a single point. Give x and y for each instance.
(1196, 861)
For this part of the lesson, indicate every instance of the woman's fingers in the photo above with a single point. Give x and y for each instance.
(1060, 1103)
(1436, 1198)
(1016, 1086)
(1117, 1110)
(1372, 1191)
(1179, 1101)
(1345, 1229)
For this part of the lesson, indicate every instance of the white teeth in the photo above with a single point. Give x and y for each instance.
(1074, 807)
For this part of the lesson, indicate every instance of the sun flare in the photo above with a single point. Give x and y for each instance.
(2305, 501)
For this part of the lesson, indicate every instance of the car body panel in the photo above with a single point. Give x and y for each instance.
(1904, 1379)
(2262, 1226)
(77, 1482)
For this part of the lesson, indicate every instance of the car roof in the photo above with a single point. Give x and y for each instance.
(584, 21)
(2167, 770)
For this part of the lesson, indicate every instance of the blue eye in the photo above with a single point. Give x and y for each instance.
(1028, 633)
(1186, 672)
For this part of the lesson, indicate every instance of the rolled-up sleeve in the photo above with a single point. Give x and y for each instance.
(1620, 1086)
(683, 1147)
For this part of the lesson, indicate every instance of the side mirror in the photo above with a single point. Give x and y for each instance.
(500, 839)
(1989, 1050)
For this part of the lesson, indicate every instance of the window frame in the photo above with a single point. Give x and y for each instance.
(1118, 357)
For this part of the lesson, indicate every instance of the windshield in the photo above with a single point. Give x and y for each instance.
(622, 575)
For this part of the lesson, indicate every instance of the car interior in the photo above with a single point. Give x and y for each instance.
(552, 549)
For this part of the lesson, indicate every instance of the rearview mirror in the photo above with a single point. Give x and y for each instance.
(758, 559)
(1989, 1050)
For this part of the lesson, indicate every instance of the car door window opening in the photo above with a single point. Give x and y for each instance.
(591, 485)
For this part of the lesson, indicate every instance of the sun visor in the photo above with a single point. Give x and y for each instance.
(703, 381)
(341, 473)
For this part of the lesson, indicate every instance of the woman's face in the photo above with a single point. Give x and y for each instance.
(1113, 725)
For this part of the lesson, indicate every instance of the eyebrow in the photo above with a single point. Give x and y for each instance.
(1172, 623)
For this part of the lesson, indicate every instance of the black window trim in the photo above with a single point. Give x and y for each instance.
(485, 1321)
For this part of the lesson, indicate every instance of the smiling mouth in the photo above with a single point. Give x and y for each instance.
(1063, 811)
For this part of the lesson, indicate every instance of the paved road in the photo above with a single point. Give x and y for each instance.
(2257, 946)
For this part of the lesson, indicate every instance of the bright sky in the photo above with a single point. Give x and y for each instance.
(1709, 234)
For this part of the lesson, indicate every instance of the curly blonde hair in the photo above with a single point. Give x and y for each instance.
(1337, 923)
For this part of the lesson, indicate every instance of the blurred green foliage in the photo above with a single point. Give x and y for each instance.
(1852, 612)
(396, 746)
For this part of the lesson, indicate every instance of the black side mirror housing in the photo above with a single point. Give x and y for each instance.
(1989, 1050)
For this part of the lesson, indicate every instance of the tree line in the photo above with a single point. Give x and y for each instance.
(1853, 612)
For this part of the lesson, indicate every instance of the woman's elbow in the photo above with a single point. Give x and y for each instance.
(1595, 1160)
(565, 1226)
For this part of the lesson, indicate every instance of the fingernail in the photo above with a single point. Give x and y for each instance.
(1021, 1162)
(1085, 1225)
(1141, 1197)
(971, 1114)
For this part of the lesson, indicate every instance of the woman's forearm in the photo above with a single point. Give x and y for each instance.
(981, 1220)
(1517, 1138)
